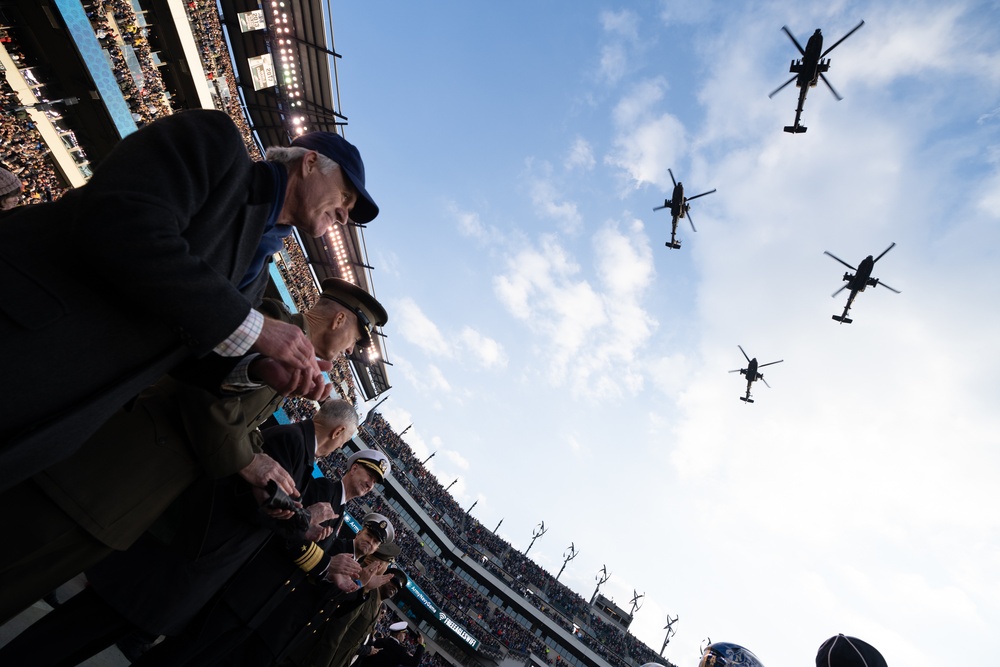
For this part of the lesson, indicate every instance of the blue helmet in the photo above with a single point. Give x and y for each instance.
(724, 654)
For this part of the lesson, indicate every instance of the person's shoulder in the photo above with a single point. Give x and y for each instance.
(202, 126)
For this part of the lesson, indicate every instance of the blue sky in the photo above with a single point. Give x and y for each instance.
(568, 368)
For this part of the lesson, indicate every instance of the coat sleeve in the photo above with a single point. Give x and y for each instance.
(135, 215)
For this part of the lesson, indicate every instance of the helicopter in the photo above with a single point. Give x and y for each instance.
(859, 280)
(809, 70)
(679, 208)
(751, 372)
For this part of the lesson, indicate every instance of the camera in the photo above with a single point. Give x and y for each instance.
(279, 500)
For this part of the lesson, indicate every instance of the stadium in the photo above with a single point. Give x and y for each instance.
(79, 76)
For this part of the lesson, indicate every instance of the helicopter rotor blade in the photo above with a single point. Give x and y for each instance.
(891, 289)
(672, 177)
(796, 42)
(827, 252)
(764, 381)
(776, 90)
(885, 251)
(738, 370)
(837, 43)
(843, 287)
(830, 86)
(690, 221)
(701, 195)
(744, 353)
(660, 208)
(770, 364)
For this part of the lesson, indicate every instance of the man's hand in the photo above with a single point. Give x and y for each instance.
(344, 564)
(376, 581)
(291, 382)
(286, 344)
(344, 583)
(318, 513)
(263, 468)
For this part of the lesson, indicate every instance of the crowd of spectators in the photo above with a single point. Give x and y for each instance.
(118, 31)
(203, 16)
(568, 609)
(22, 150)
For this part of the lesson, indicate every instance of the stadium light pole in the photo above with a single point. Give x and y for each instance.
(535, 534)
(601, 578)
(429, 458)
(451, 485)
(669, 627)
(368, 417)
(570, 554)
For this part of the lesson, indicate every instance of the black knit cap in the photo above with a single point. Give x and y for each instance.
(343, 152)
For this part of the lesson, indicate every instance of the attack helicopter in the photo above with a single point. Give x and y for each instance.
(751, 372)
(679, 208)
(809, 70)
(859, 280)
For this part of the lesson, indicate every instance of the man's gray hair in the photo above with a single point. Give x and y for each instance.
(337, 411)
(291, 155)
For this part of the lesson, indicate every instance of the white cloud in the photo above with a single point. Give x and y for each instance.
(417, 328)
(589, 333)
(581, 156)
(546, 200)
(487, 351)
(624, 23)
(613, 63)
(414, 326)
(648, 142)
(622, 27)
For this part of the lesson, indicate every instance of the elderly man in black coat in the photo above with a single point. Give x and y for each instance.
(161, 257)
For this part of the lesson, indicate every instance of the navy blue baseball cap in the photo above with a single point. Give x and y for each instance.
(343, 152)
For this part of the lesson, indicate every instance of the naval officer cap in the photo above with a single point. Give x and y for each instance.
(366, 308)
(373, 460)
(379, 526)
(399, 626)
(343, 152)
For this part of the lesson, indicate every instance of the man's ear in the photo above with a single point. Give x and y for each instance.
(308, 162)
